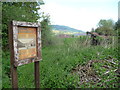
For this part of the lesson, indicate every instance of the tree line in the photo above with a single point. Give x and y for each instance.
(23, 11)
(107, 27)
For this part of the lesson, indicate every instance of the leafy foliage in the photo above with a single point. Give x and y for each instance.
(105, 27)
(48, 38)
(22, 11)
(46, 31)
(25, 11)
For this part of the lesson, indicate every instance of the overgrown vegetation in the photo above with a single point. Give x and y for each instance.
(48, 38)
(59, 61)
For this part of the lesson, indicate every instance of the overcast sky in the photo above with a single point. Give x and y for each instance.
(80, 14)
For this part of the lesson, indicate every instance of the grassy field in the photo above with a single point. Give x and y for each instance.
(72, 64)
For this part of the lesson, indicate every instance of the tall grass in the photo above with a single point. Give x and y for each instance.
(57, 63)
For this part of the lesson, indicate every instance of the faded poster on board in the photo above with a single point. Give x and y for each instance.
(27, 42)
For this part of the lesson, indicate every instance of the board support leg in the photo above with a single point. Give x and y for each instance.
(14, 77)
(37, 82)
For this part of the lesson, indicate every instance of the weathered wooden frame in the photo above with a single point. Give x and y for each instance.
(13, 33)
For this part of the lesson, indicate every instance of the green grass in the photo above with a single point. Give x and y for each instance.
(57, 63)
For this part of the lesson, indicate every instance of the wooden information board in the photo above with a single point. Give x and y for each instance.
(25, 47)
(25, 42)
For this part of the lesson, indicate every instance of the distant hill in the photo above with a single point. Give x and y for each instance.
(66, 29)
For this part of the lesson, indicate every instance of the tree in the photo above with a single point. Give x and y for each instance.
(47, 35)
(21, 11)
(117, 27)
(105, 27)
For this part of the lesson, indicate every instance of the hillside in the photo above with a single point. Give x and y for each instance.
(65, 28)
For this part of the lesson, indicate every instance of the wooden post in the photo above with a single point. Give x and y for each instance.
(12, 67)
(36, 67)
(14, 77)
